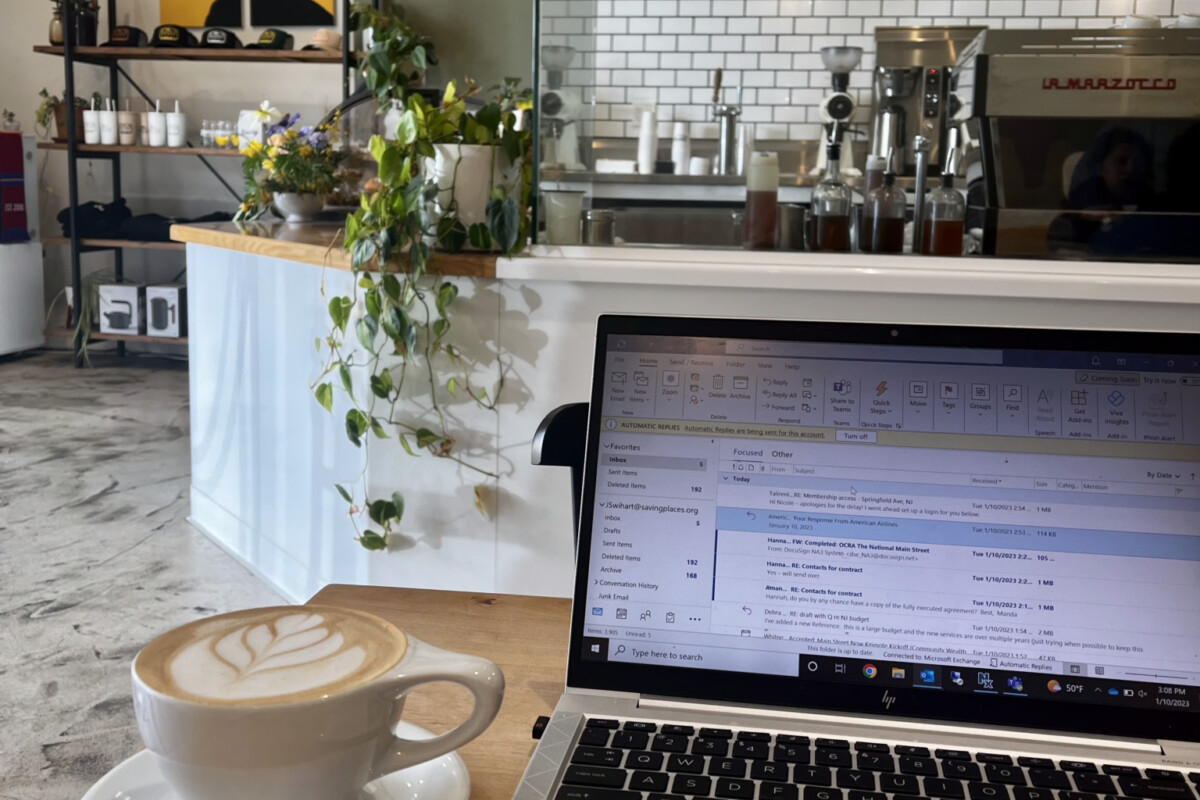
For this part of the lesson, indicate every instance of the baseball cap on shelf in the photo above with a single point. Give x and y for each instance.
(127, 36)
(272, 39)
(219, 37)
(325, 39)
(172, 36)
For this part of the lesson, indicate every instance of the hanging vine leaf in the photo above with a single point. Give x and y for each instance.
(481, 238)
(381, 385)
(339, 311)
(418, 57)
(324, 395)
(342, 491)
(366, 329)
(356, 426)
(391, 287)
(407, 447)
(377, 429)
(371, 540)
(398, 502)
(426, 437)
(451, 233)
(363, 251)
(373, 304)
(447, 293)
(504, 221)
(344, 372)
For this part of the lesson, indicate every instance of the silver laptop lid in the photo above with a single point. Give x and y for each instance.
(1000, 526)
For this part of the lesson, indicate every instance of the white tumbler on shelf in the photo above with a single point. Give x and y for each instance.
(648, 142)
(108, 123)
(681, 149)
(176, 128)
(564, 215)
(91, 126)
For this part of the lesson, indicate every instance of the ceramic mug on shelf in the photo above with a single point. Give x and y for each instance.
(293, 702)
(91, 126)
(157, 124)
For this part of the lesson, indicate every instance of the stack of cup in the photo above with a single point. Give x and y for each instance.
(176, 128)
(127, 126)
(108, 122)
(91, 124)
(156, 126)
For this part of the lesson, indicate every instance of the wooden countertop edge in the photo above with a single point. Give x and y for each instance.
(330, 254)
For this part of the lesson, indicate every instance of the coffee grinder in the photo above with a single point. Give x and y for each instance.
(839, 105)
(560, 109)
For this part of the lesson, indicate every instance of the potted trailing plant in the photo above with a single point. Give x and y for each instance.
(406, 318)
(294, 170)
(395, 62)
(10, 121)
(54, 109)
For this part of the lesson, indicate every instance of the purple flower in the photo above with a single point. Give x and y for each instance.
(318, 140)
(306, 130)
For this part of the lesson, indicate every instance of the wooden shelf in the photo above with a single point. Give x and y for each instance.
(67, 333)
(110, 54)
(158, 151)
(113, 244)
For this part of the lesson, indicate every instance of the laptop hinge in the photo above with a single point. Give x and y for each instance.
(1021, 737)
(1182, 754)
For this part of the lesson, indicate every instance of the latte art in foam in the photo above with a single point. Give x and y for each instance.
(271, 655)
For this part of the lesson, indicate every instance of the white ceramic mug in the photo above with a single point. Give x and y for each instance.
(321, 744)
(157, 122)
(91, 126)
(127, 127)
(176, 129)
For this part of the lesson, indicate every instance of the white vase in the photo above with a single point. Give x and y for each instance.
(467, 173)
(298, 207)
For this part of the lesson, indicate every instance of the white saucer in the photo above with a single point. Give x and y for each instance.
(445, 778)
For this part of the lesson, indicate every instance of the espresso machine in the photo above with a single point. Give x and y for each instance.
(913, 91)
(1088, 143)
(559, 110)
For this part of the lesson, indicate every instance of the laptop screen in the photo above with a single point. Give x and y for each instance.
(905, 510)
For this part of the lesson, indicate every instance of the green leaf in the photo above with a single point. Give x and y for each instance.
(406, 131)
(382, 511)
(372, 303)
(317, 343)
(324, 395)
(407, 447)
(344, 372)
(339, 311)
(363, 251)
(391, 287)
(504, 221)
(451, 233)
(345, 495)
(391, 167)
(398, 502)
(366, 329)
(371, 540)
(418, 57)
(451, 385)
(447, 293)
(440, 326)
(377, 429)
(352, 228)
(356, 426)
(395, 323)
(381, 384)
(378, 145)
(489, 117)
(481, 238)
(426, 437)
(365, 282)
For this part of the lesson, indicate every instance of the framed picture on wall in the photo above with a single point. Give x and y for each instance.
(270, 13)
(201, 13)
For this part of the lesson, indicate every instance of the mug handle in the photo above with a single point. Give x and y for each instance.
(484, 680)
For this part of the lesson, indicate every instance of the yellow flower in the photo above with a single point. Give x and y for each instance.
(254, 148)
(276, 140)
(306, 151)
(222, 141)
(265, 112)
(291, 134)
(273, 152)
(269, 165)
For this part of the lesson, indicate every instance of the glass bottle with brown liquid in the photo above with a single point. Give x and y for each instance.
(762, 201)
(883, 218)
(831, 206)
(945, 211)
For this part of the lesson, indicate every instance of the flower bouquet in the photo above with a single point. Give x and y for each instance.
(293, 169)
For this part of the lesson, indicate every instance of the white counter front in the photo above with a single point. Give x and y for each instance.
(265, 456)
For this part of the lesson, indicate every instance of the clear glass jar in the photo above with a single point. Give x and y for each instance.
(945, 211)
(831, 205)
(882, 228)
(206, 133)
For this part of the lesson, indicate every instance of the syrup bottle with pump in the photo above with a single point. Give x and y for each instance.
(945, 213)
(832, 203)
(883, 215)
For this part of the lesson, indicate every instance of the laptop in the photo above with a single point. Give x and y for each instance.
(827, 561)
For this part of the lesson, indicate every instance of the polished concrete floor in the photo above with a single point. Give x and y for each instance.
(96, 558)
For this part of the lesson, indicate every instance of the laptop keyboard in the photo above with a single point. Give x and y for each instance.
(638, 760)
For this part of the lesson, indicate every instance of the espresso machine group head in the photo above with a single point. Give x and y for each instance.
(560, 109)
(838, 106)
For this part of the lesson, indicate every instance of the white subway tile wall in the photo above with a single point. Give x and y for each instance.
(664, 52)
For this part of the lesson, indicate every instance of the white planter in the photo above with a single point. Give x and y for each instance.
(297, 207)
(466, 173)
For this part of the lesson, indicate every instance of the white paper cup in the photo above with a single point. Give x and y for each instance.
(91, 127)
(127, 127)
(176, 129)
(700, 165)
(158, 128)
(564, 217)
(144, 128)
(108, 127)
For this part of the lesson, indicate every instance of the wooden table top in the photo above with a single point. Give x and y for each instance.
(317, 243)
(526, 636)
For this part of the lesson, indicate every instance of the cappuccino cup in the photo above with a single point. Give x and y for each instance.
(293, 702)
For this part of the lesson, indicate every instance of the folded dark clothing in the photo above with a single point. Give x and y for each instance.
(96, 220)
(157, 228)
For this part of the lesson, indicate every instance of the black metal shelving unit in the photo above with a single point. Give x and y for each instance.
(111, 58)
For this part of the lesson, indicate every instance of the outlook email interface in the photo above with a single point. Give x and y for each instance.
(1008, 522)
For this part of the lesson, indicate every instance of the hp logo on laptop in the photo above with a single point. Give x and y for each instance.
(887, 700)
